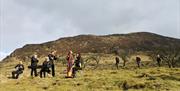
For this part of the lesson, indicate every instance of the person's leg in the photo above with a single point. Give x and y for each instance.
(32, 71)
(17, 76)
(41, 73)
(13, 74)
(73, 72)
(44, 72)
(35, 72)
(159, 63)
(138, 64)
(53, 70)
(68, 69)
(117, 66)
(18, 73)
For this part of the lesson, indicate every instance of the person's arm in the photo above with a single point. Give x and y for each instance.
(31, 60)
(37, 60)
(22, 67)
(16, 66)
(80, 64)
(67, 58)
(49, 64)
(55, 58)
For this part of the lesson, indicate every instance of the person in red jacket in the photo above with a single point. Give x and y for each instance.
(70, 62)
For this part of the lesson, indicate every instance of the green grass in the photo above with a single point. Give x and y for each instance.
(97, 80)
(110, 79)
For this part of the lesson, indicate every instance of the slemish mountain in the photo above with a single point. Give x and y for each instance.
(140, 41)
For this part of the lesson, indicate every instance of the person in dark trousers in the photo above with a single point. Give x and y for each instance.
(77, 65)
(52, 57)
(34, 62)
(158, 60)
(45, 67)
(20, 68)
(138, 61)
(117, 62)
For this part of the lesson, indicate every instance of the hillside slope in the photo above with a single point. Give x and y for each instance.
(141, 41)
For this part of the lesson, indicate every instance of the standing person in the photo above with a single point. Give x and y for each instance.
(158, 60)
(20, 68)
(45, 67)
(34, 62)
(138, 61)
(117, 62)
(77, 65)
(70, 62)
(52, 57)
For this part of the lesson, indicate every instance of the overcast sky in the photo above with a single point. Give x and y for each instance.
(36, 21)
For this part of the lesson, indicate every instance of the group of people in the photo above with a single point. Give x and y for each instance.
(138, 61)
(45, 67)
(48, 66)
(73, 65)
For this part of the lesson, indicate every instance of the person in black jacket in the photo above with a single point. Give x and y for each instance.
(117, 62)
(20, 68)
(52, 57)
(158, 60)
(77, 65)
(45, 67)
(138, 61)
(34, 62)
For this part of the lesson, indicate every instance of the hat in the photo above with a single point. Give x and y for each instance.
(20, 62)
(35, 56)
(47, 58)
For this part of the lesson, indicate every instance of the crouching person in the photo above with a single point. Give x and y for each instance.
(77, 65)
(19, 70)
(45, 68)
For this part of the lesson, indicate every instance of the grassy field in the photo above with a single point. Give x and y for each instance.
(106, 77)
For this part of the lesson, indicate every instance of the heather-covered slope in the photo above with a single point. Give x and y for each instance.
(141, 41)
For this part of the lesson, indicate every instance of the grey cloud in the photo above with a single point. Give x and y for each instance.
(36, 21)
